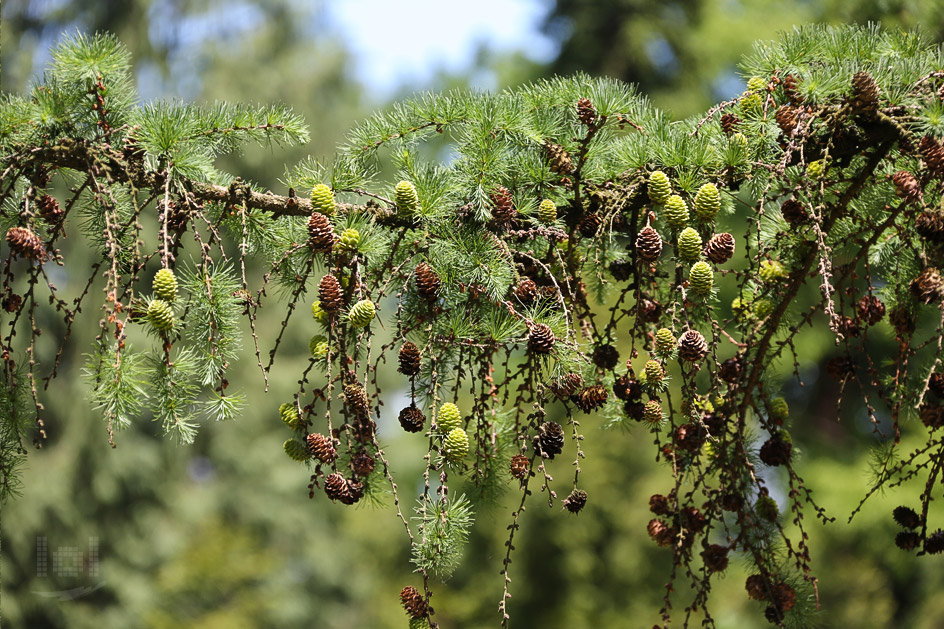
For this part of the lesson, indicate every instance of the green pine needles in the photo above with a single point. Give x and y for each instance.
(523, 281)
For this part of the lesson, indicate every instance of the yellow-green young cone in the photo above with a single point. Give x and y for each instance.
(653, 372)
(350, 240)
(700, 278)
(689, 245)
(665, 342)
(767, 508)
(448, 418)
(659, 187)
(707, 201)
(419, 623)
(362, 313)
(406, 198)
(708, 449)
(456, 444)
(815, 170)
(756, 84)
(751, 104)
(771, 270)
(165, 285)
(652, 412)
(547, 212)
(289, 415)
(317, 313)
(322, 199)
(779, 409)
(160, 315)
(762, 307)
(296, 450)
(739, 140)
(318, 346)
(676, 212)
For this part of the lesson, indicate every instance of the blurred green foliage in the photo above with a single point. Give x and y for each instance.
(222, 534)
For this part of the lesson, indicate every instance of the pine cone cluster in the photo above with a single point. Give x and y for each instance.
(504, 208)
(412, 419)
(586, 111)
(692, 346)
(931, 415)
(427, 282)
(648, 310)
(526, 291)
(409, 359)
(930, 226)
(519, 466)
(413, 602)
(928, 286)
(864, 93)
(322, 448)
(329, 293)
(707, 202)
(26, 244)
(321, 235)
(549, 442)
(575, 501)
(49, 209)
(933, 155)
(649, 244)
(589, 399)
(720, 248)
(559, 160)
(906, 185)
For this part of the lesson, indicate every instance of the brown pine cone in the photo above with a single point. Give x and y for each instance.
(776, 450)
(906, 185)
(715, 557)
(559, 159)
(720, 248)
(321, 236)
(335, 486)
(575, 501)
(362, 464)
(627, 388)
(49, 209)
(930, 226)
(526, 291)
(412, 419)
(729, 123)
(519, 466)
(25, 244)
(933, 155)
(794, 212)
(409, 359)
(413, 602)
(661, 533)
(427, 282)
(504, 208)
(648, 310)
(549, 442)
(567, 385)
(322, 448)
(907, 540)
(935, 543)
(730, 370)
(541, 339)
(936, 384)
(688, 437)
(591, 398)
(586, 111)
(649, 244)
(605, 356)
(790, 84)
(864, 93)
(12, 302)
(906, 517)
(840, 368)
(659, 505)
(870, 309)
(356, 399)
(589, 224)
(928, 286)
(692, 346)
(756, 587)
(355, 491)
(329, 292)
(903, 320)
(787, 118)
(621, 270)
(931, 414)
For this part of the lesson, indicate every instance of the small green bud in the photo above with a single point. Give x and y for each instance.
(165, 285)
(676, 212)
(456, 444)
(317, 313)
(448, 418)
(707, 202)
(362, 313)
(547, 212)
(689, 245)
(771, 270)
(779, 409)
(289, 415)
(318, 346)
(654, 372)
(762, 307)
(406, 198)
(160, 315)
(700, 278)
(756, 84)
(419, 623)
(322, 199)
(296, 450)
(652, 412)
(767, 508)
(751, 105)
(708, 449)
(665, 343)
(350, 240)
(739, 140)
(659, 187)
(816, 169)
